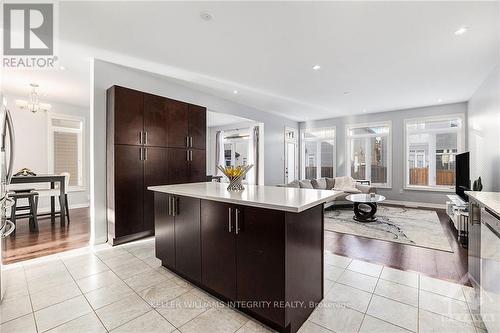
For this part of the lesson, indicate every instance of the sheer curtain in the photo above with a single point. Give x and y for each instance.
(253, 156)
(219, 152)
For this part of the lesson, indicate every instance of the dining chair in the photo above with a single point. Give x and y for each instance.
(31, 208)
(55, 192)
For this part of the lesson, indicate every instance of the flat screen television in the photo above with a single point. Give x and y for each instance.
(462, 176)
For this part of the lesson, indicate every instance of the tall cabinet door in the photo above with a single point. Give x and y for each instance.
(197, 126)
(164, 230)
(128, 114)
(155, 173)
(155, 121)
(260, 248)
(177, 125)
(198, 166)
(129, 189)
(218, 248)
(188, 237)
(178, 167)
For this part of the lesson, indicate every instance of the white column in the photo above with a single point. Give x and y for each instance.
(432, 159)
(368, 159)
(318, 159)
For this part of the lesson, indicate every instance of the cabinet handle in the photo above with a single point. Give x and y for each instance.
(140, 137)
(187, 155)
(145, 137)
(145, 154)
(169, 205)
(474, 214)
(190, 155)
(230, 217)
(173, 205)
(191, 141)
(236, 226)
(140, 154)
(176, 205)
(187, 141)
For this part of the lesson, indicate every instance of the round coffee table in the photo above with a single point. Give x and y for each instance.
(365, 206)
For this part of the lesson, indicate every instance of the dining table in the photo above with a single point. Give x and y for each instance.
(52, 180)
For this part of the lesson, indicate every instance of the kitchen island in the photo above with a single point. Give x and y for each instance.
(261, 249)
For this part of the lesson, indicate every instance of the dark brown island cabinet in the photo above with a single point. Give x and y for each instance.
(260, 250)
(151, 140)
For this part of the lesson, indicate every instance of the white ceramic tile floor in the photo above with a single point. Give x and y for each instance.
(365, 268)
(336, 260)
(125, 289)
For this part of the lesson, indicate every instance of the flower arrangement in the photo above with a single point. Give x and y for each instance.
(235, 176)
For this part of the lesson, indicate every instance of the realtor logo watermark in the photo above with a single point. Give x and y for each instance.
(28, 35)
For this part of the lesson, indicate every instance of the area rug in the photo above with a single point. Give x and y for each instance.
(416, 227)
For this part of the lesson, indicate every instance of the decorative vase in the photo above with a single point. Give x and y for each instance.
(235, 176)
(477, 185)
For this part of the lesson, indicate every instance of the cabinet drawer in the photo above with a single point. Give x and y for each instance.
(490, 219)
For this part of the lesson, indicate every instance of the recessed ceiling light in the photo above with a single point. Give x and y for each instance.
(461, 31)
(316, 67)
(440, 100)
(235, 92)
(364, 110)
(206, 16)
(62, 68)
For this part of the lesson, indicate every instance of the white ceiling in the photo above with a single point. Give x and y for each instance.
(388, 55)
(216, 119)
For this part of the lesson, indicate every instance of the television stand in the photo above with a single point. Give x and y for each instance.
(458, 211)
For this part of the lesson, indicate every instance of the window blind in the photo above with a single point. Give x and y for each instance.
(66, 155)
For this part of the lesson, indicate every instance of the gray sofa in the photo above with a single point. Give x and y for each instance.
(329, 184)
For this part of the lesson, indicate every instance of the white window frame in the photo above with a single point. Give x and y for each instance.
(295, 141)
(303, 151)
(460, 149)
(348, 139)
(81, 146)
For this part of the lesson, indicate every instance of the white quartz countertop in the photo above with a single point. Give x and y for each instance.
(491, 200)
(279, 198)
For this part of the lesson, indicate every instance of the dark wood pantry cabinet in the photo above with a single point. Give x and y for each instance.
(151, 140)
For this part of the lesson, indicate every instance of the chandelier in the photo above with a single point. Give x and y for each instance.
(33, 104)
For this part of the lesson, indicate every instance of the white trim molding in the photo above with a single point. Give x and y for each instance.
(75, 206)
(81, 146)
(461, 137)
(303, 150)
(348, 138)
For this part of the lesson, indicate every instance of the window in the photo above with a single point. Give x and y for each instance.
(318, 153)
(369, 152)
(431, 147)
(236, 148)
(66, 148)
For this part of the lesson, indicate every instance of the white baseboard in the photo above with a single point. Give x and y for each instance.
(47, 209)
(99, 241)
(412, 204)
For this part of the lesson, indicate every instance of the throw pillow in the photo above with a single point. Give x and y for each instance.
(351, 190)
(305, 183)
(293, 184)
(319, 184)
(342, 183)
(330, 183)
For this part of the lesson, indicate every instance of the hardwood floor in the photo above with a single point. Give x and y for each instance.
(434, 263)
(50, 239)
